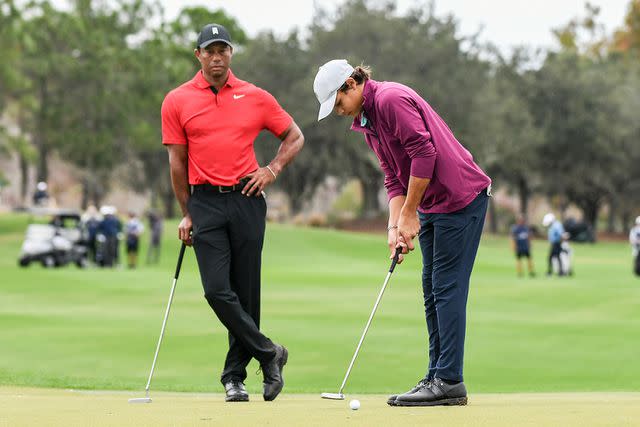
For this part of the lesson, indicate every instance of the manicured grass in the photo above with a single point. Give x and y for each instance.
(110, 408)
(97, 329)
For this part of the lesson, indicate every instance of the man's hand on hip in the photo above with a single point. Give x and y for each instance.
(184, 230)
(258, 180)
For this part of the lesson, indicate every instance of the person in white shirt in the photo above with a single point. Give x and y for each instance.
(134, 229)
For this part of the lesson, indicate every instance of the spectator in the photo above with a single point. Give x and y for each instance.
(109, 228)
(134, 229)
(634, 239)
(90, 222)
(155, 226)
(521, 243)
(555, 233)
(41, 195)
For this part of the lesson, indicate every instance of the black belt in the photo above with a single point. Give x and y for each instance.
(222, 188)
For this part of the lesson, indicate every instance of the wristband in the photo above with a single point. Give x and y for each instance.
(272, 172)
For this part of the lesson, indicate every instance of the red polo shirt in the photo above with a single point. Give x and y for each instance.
(220, 129)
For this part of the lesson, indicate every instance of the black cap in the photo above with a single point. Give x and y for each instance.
(212, 33)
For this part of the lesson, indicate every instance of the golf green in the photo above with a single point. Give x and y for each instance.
(28, 407)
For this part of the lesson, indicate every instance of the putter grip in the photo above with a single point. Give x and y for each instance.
(395, 259)
(182, 249)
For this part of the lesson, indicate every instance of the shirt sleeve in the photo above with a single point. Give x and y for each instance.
(276, 119)
(172, 130)
(391, 182)
(400, 115)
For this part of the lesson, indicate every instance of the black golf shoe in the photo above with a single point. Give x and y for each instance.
(436, 393)
(235, 392)
(272, 373)
(422, 383)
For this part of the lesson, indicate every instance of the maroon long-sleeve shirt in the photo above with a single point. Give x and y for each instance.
(410, 138)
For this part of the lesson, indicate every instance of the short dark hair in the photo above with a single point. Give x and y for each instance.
(361, 74)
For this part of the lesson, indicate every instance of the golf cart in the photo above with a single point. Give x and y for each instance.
(59, 242)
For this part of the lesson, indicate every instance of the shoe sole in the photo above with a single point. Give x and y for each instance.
(457, 401)
(285, 358)
(237, 399)
(392, 399)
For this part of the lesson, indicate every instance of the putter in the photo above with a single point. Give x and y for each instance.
(339, 395)
(147, 399)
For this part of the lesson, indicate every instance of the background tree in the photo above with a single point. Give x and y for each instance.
(572, 104)
(87, 83)
(505, 127)
(12, 85)
(627, 38)
(588, 91)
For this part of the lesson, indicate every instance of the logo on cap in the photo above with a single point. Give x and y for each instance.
(212, 33)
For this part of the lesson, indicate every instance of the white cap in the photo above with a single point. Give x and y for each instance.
(548, 219)
(638, 220)
(41, 186)
(108, 210)
(328, 80)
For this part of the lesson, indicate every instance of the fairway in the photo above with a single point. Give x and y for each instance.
(97, 330)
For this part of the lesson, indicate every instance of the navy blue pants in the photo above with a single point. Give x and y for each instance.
(554, 252)
(449, 243)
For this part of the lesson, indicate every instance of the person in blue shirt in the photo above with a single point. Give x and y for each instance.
(91, 222)
(521, 244)
(110, 227)
(556, 230)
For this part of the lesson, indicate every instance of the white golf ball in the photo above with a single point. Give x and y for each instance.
(354, 404)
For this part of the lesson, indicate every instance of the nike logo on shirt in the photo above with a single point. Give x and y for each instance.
(237, 96)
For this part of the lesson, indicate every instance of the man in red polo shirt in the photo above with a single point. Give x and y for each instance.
(209, 125)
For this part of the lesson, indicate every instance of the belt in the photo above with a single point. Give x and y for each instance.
(221, 188)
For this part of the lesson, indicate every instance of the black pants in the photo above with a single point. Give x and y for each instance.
(228, 233)
(554, 252)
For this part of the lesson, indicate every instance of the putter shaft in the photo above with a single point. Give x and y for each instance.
(373, 312)
(164, 324)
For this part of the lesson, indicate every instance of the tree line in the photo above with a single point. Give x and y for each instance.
(87, 83)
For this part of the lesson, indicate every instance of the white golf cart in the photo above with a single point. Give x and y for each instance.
(57, 243)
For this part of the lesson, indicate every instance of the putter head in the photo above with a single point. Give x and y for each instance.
(140, 400)
(333, 396)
